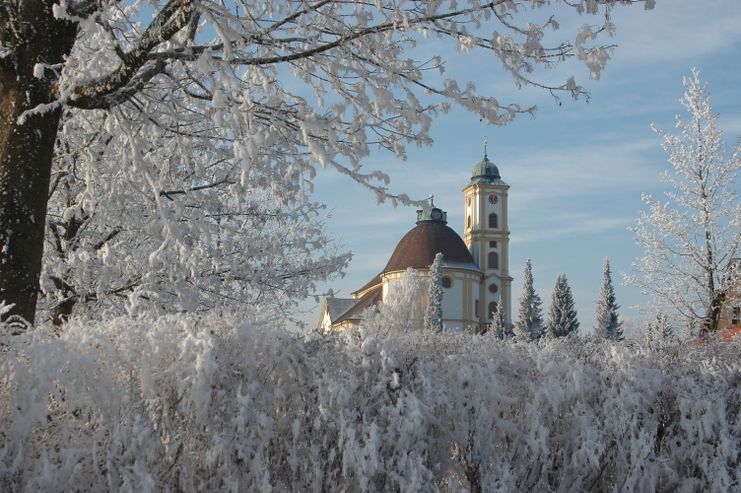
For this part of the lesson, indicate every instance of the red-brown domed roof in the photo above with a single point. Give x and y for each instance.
(419, 246)
(417, 249)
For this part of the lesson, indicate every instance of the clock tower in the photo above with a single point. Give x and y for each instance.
(486, 234)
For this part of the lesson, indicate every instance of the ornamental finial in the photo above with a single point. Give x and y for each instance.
(486, 143)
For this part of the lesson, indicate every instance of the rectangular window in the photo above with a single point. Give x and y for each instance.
(492, 244)
(476, 309)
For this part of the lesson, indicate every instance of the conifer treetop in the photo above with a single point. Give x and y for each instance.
(529, 325)
(608, 323)
(561, 320)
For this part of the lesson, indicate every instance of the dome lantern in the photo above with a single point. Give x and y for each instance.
(429, 212)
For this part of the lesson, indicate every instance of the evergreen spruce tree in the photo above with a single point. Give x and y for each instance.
(608, 324)
(529, 326)
(499, 323)
(434, 311)
(561, 320)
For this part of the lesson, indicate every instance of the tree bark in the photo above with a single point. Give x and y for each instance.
(27, 149)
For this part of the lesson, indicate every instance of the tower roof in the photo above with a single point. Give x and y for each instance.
(486, 171)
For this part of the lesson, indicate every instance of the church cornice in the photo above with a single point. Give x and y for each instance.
(488, 186)
(486, 234)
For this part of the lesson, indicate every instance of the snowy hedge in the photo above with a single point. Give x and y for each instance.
(187, 404)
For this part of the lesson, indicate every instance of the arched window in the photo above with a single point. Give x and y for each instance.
(493, 221)
(468, 221)
(493, 260)
(492, 309)
(476, 309)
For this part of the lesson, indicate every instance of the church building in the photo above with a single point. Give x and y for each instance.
(475, 267)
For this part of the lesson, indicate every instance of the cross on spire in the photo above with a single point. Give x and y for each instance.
(486, 143)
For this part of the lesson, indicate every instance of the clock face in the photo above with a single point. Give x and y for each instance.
(493, 199)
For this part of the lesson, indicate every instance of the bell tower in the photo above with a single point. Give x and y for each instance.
(486, 234)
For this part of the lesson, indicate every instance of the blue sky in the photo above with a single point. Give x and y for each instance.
(576, 170)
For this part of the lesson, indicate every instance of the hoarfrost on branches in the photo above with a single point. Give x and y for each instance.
(691, 238)
(159, 230)
(255, 67)
(280, 88)
(193, 403)
(404, 308)
(658, 331)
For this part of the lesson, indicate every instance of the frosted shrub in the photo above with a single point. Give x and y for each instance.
(212, 404)
(404, 309)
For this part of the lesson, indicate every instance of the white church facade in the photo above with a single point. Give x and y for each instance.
(475, 267)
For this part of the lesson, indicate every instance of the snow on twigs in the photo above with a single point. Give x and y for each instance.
(210, 404)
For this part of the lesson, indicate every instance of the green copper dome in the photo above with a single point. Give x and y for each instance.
(430, 213)
(485, 171)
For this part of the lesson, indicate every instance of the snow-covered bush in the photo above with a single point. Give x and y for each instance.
(403, 310)
(212, 404)
(658, 331)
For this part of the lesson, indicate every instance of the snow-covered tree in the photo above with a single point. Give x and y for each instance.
(529, 325)
(499, 326)
(561, 319)
(194, 246)
(404, 308)
(691, 237)
(279, 87)
(434, 310)
(608, 323)
(658, 330)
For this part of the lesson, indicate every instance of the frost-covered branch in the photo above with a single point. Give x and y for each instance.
(691, 239)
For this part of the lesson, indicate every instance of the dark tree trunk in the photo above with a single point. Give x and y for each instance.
(26, 149)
